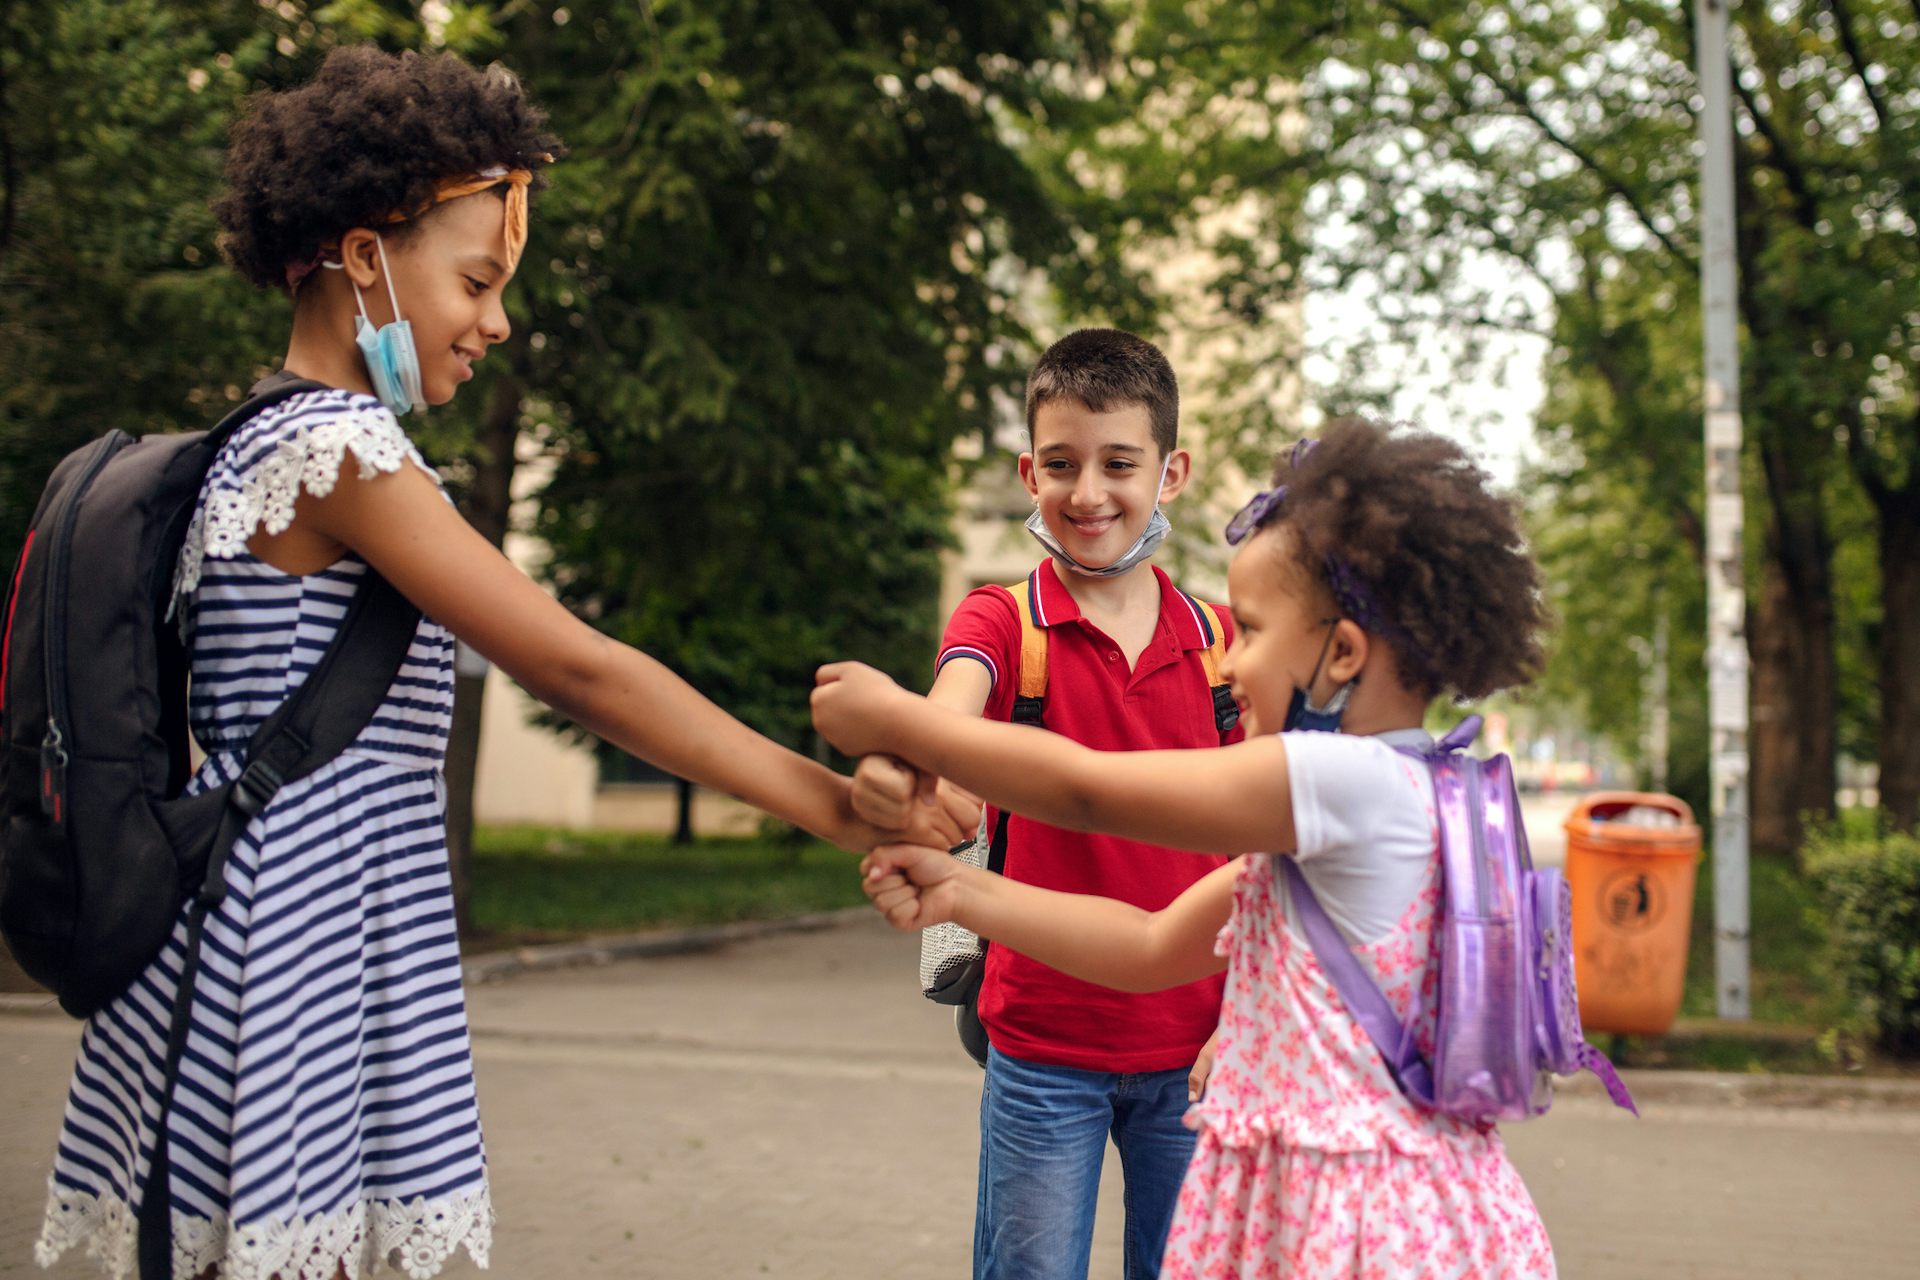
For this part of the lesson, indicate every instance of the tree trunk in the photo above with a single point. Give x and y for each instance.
(683, 825)
(486, 508)
(1794, 684)
(1900, 657)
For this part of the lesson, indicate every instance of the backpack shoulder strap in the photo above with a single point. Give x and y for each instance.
(1358, 990)
(1225, 714)
(1030, 688)
(263, 395)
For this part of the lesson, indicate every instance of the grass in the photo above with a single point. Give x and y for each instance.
(534, 884)
(1783, 955)
(1793, 1002)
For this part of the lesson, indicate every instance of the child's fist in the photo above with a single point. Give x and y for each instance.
(912, 885)
(849, 702)
(884, 791)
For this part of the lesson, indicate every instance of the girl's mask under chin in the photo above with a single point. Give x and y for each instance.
(1302, 715)
(393, 363)
(1158, 527)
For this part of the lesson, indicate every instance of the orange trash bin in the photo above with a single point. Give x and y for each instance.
(1631, 857)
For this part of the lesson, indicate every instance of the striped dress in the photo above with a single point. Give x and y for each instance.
(325, 1118)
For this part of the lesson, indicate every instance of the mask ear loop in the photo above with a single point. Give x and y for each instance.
(359, 301)
(386, 273)
(1338, 702)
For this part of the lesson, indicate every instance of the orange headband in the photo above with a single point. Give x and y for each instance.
(517, 180)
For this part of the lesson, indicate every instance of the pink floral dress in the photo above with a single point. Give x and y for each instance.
(1310, 1162)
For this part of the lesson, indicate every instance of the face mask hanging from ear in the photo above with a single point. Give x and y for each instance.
(393, 365)
(1302, 715)
(1158, 527)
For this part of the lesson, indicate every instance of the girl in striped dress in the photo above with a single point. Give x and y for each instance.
(325, 1122)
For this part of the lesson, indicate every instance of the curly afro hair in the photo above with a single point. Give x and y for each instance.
(373, 133)
(1457, 593)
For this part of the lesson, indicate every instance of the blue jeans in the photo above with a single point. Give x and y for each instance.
(1043, 1136)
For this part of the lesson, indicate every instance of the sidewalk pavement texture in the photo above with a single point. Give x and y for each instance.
(789, 1106)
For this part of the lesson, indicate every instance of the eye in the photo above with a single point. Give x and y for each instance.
(1057, 464)
(1121, 464)
(478, 286)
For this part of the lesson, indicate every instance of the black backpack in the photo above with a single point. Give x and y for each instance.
(98, 847)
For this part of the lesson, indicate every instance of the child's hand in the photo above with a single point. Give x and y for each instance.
(850, 703)
(884, 790)
(912, 885)
(1202, 1069)
(893, 794)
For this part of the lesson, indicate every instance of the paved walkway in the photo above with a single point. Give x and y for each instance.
(790, 1107)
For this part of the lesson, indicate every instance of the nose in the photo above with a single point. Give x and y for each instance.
(494, 325)
(1088, 489)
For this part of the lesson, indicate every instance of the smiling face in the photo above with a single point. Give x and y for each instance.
(449, 274)
(1281, 619)
(1096, 477)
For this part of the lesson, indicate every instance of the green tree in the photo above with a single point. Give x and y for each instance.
(780, 275)
(1446, 151)
(114, 310)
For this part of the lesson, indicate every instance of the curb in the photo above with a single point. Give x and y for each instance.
(498, 966)
(1759, 1089)
(29, 1004)
(501, 965)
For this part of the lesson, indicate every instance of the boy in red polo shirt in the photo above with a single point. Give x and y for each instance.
(1072, 1063)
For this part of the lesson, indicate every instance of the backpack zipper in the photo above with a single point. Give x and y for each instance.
(53, 748)
(6, 635)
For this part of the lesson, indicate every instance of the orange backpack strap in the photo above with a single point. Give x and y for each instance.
(1030, 691)
(1214, 629)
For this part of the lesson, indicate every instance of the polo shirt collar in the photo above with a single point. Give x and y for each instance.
(1057, 605)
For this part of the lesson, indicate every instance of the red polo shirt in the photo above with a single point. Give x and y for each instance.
(1034, 1012)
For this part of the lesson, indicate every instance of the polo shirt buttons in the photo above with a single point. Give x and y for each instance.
(1113, 655)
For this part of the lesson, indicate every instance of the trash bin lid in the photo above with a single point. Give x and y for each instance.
(1647, 820)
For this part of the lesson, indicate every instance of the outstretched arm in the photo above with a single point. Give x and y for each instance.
(1096, 939)
(404, 528)
(1231, 800)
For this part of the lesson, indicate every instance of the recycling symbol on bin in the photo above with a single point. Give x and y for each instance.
(1632, 900)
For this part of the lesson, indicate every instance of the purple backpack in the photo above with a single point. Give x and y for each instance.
(1509, 1020)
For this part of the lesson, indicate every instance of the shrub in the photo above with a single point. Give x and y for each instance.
(1868, 887)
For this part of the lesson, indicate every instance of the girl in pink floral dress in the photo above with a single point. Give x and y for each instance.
(1378, 574)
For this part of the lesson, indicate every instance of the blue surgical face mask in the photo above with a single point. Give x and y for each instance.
(1158, 527)
(393, 365)
(1302, 714)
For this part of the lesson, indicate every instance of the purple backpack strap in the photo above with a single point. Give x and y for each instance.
(1595, 1061)
(1357, 988)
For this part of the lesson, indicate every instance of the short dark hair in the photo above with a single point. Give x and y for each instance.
(1109, 369)
(371, 134)
(1439, 554)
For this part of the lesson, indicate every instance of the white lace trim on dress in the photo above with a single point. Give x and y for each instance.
(237, 504)
(418, 1236)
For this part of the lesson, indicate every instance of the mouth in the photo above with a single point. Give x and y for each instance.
(467, 359)
(1092, 527)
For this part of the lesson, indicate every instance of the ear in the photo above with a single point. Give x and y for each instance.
(1030, 477)
(360, 255)
(1348, 653)
(1179, 471)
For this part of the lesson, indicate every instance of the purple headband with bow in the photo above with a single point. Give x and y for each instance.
(1350, 590)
